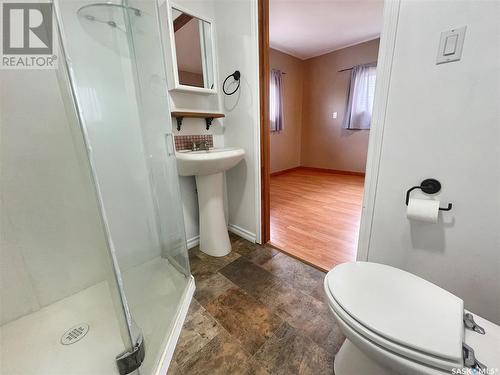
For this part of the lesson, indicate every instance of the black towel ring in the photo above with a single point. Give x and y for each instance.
(236, 75)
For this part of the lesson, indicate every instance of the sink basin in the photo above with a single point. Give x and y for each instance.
(202, 163)
(208, 167)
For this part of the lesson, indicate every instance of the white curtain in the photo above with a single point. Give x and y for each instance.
(359, 107)
(276, 101)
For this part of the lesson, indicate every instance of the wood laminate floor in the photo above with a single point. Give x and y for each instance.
(315, 216)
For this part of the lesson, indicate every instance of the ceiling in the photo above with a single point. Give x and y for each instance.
(309, 28)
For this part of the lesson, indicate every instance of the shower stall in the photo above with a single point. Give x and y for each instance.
(95, 275)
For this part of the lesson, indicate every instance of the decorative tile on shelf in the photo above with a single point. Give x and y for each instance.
(185, 142)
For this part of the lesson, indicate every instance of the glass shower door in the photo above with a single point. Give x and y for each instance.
(145, 42)
(117, 75)
(60, 307)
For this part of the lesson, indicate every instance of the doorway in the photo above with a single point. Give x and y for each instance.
(315, 127)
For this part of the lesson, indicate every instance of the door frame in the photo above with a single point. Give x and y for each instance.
(384, 69)
(265, 169)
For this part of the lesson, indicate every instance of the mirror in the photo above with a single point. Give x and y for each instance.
(193, 51)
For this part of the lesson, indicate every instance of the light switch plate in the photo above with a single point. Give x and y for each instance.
(450, 45)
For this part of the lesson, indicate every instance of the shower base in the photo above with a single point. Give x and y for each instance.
(32, 344)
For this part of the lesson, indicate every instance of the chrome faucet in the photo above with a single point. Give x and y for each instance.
(202, 145)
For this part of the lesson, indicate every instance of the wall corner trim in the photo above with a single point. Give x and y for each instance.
(384, 69)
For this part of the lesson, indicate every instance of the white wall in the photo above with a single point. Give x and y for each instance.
(52, 243)
(236, 46)
(237, 41)
(443, 121)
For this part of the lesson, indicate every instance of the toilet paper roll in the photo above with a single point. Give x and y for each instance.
(423, 210)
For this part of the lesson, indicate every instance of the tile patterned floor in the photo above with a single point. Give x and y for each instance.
(256, 311)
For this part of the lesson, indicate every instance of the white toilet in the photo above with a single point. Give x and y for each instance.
(398, 323)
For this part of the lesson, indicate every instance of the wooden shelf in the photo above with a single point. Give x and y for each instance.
(197, 114)
(208, 116)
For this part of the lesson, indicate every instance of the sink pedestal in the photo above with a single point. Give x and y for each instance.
(208, 167)
(214, 239)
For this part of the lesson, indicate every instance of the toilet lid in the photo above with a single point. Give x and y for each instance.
(401, 307)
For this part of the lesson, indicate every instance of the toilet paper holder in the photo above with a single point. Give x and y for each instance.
(428, 186)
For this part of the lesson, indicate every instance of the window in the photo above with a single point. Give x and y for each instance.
(276, 101)
(361, 92)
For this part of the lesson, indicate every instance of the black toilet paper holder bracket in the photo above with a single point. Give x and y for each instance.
(428, 186)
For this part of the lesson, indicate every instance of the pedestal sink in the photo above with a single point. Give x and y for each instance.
(208, 167)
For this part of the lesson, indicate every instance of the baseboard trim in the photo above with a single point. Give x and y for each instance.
(192, 242)
(324, 170)
(283, 171)
(334, 171)
(168, 353)
(247, 235)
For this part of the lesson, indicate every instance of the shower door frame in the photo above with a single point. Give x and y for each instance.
(179, 319)
(135, 344)
(169, 135)
(66, 78)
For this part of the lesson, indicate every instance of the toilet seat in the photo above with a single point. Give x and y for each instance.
(381, 358)
(382, 344)
(382, 319)
(399, 311)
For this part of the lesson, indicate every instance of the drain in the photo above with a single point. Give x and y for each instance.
(75, 334)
